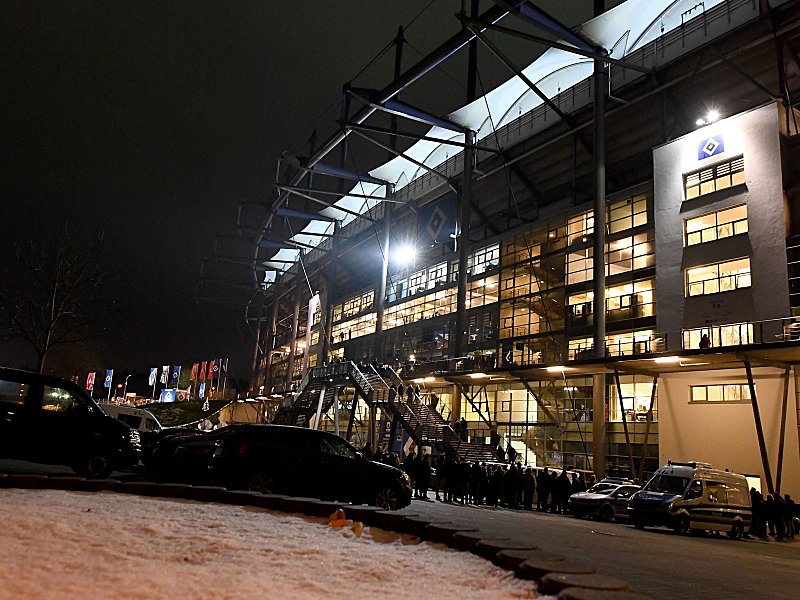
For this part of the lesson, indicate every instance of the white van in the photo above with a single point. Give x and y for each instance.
(693, 497)
(137, 418)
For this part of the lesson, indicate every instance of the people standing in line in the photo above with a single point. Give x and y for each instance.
(367, 451)
(705, 342)
(769, 514)
(423, 471)
(563, 486)
(410, 394)
(543, 490)
(401, 390)
(757, 507)
(779, 517)
(788, 512)
(528, 489)
(463, 429)
(392, 393)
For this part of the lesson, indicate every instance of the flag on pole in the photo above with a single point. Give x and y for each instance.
(90, 381)
(203, 371)
(109, 377)
(202, 391)
(225, 368)
(164, 374)
(153, 375)
(176, 374)
(217, 367)
(193, 376)
(211, 370)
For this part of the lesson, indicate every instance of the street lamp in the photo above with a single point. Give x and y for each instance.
(119, 387)
(125, 389)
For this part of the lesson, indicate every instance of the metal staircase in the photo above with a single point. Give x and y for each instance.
(425, 426)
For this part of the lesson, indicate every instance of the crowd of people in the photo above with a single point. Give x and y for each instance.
(498, 485)
(517, 487)
(773, 515)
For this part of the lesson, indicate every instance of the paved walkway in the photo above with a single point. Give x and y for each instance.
(656, 561)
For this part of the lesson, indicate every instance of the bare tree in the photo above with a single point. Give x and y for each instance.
(49, 293)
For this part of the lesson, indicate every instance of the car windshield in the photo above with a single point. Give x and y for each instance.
(668, 484)
(603, 488)
(337, 447)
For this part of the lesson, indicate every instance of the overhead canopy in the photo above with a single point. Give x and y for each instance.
(620, 31)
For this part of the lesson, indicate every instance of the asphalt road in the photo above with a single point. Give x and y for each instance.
(655, 561)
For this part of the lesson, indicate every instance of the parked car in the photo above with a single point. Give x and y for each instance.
(693, 497)
(140, 419)
(291, 460)
(50, 420)
(606, 500)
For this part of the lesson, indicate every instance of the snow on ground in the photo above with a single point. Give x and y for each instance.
(59, 544)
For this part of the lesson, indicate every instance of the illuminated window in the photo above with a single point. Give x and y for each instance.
(428, 306)
(627, 301)
(621, 344)
(484, 259)
(717, 225)
(482, 291)
(720, 277)
(353, 306)
(735, 334)
(622, 255)
(728, 392)
(712, 179)
(437, 275)
(347, 330)
(529, 316)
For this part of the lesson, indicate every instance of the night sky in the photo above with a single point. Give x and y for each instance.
(152, 121)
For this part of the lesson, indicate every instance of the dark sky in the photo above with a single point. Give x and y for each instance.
(152, 121)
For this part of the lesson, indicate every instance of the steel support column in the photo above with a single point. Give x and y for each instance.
(762, 445)
(295, 329)
(600, 84)
(624, 422)
(782, 439)
(649, 419)
(380, 297)
(269, 345)
(599, 425)
(462, 238)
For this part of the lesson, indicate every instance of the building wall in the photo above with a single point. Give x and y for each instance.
(755, 136)
(724, 433)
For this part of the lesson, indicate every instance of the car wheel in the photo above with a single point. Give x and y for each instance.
(638, 523)
(606, 513)
(387, 499)
(95, 466)
(262, 483)
(736, 532)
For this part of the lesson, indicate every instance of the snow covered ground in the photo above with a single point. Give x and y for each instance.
(59, 544)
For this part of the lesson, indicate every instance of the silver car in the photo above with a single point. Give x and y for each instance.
(606, 500)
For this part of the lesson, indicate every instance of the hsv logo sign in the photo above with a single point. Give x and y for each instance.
(90, 381)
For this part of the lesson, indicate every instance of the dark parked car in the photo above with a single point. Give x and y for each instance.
(50, 420)
(605, 500)
(291, 460)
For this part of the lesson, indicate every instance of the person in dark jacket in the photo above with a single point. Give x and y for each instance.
(543, 490)
(757, 507)
(423, 469)
(528, 489)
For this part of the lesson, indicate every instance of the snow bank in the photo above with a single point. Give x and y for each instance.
(59, 544)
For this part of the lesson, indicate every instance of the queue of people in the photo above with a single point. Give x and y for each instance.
(773, 516)
(498, 485)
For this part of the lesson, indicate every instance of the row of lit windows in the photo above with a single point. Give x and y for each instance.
(347, 330)
(529, 316)
(635, 299)
(620, 215)
(429, 306)
(716, 225)
(621, 344)
(728, 392)
(353, 306)
(719, 277)
(622, 256)
(735, 334)
(717, 177)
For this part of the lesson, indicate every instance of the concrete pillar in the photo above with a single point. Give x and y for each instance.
(599, 425)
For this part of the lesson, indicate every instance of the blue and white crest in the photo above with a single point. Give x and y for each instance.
(710, 146)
